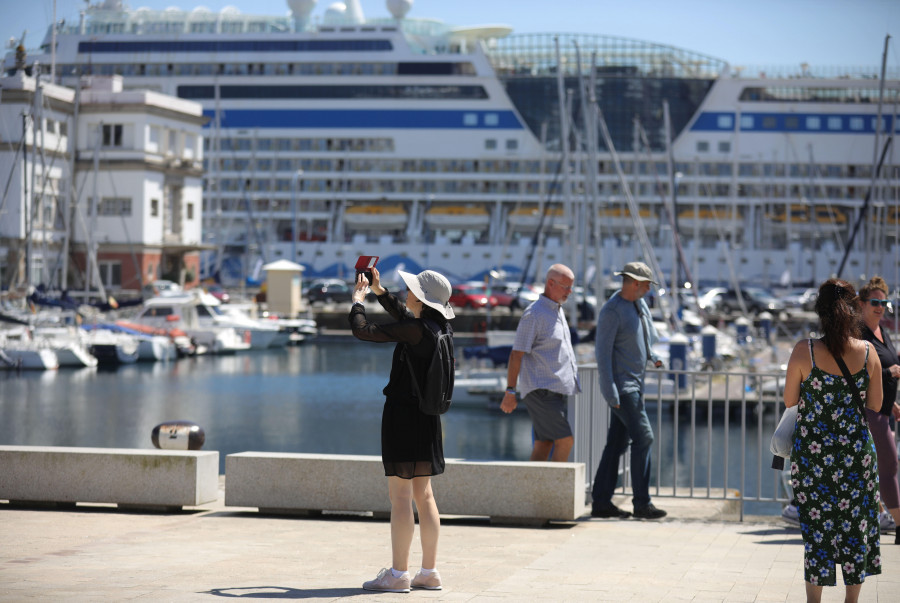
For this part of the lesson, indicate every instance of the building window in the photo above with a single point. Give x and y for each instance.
(110, 273)
(190, 211)
(114, 206)
(112, 135)
(154, 208)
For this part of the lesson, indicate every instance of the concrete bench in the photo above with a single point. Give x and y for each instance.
(129, 478)
(505, 491)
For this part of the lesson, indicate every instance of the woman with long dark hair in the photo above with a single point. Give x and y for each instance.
(412, 450)
(834, 471)
(872, 306)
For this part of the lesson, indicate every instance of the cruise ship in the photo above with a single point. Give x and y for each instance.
(475, 151)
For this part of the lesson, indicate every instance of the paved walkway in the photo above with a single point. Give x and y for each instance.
(98, 553)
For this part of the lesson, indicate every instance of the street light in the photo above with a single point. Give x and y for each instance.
(294, 185)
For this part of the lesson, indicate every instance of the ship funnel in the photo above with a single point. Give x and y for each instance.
(354, 12)
(399, 8)
(301, 9)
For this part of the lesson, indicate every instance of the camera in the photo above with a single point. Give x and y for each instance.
(364, 265)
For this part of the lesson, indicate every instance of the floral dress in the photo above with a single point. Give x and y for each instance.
(835, 480)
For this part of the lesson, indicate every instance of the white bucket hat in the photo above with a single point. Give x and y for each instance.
(431, 288)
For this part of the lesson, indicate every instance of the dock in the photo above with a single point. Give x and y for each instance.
(699, 552)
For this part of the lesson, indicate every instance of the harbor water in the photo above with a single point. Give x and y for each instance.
(315, 398)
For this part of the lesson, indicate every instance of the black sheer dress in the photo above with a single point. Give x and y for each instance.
(411, 442)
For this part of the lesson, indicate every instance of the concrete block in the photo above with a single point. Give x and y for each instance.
(505, 491)
(126, 477)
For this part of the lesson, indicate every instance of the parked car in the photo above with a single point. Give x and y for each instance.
(329, 290)
(219, 293)
(471, 296)
(804, 298)
(756, 300)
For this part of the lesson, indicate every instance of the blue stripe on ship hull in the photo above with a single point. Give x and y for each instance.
(807, 123)
(280, 118)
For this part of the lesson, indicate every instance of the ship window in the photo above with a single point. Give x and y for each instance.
(813, 123)
(856, 123)
(724, 146)
(512, 144)
(746, 122)
(702, 146)
(491, 119)
(792, 123)
(490, 144)
(769, 123)
(834, 123)
(470, 119)
(725, 122)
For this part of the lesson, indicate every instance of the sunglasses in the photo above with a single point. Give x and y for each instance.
(878, 302)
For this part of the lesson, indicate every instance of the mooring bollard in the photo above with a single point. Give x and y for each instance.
(708, 343)
(765, 325)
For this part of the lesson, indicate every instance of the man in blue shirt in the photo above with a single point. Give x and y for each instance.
(625, 334)
(543, 357)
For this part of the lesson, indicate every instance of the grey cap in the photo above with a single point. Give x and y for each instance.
(639, 271)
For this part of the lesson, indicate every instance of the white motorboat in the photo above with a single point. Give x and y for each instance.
(260, 334)
(111, 348)
(18, 351)
(180, 312)
(69, 343)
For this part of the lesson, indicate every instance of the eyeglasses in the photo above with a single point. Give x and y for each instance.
(878, 302)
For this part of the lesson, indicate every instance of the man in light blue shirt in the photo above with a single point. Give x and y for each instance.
(625, 334)
(542, 366)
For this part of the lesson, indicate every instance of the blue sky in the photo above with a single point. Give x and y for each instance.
(754, 33)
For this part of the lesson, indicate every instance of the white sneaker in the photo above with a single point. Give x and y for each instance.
(429, 582)
(886, 521)
(385, 582)
(791, 515)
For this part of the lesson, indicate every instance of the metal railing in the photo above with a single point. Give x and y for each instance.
(712, 433)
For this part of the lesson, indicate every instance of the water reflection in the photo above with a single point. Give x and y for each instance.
(321, 398)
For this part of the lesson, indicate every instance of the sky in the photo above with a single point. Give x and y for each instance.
(750, 33)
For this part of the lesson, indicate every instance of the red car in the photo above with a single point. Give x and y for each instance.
(472, 296)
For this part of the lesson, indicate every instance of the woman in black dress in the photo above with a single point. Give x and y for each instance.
(411, 446)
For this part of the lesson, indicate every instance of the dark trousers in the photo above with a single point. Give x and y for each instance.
(627, 424)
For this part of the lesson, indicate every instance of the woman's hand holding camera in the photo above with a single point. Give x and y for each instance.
(363, 285)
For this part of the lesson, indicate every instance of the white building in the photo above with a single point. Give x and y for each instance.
(131, 192)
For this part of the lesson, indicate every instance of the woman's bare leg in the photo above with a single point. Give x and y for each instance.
(403, 522)
(813, 593)
(851, 595)
(429, 520)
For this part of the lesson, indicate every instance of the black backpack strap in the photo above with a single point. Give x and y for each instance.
(431, 326)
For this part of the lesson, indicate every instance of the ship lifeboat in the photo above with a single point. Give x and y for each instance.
(708, 220)
(376, 217)
(529, 219)
(457, 217)
(827, 219)
(618, 219)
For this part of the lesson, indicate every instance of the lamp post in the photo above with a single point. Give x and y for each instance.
(294, 186)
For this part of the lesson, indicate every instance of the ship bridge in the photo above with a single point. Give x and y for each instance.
(632, 78)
